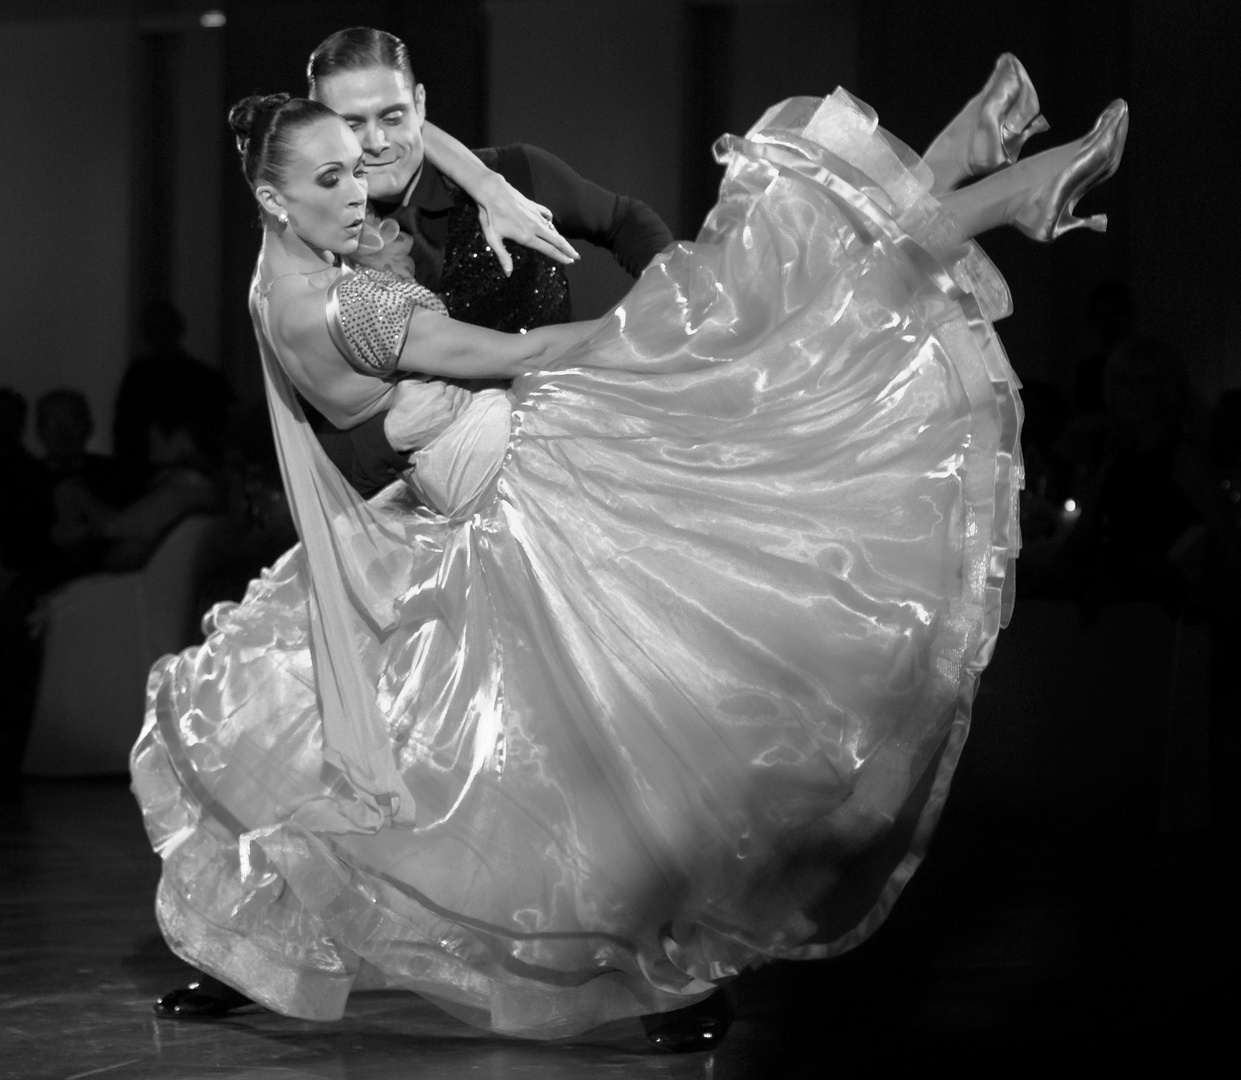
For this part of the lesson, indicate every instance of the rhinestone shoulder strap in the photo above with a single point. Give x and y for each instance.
(368, 313)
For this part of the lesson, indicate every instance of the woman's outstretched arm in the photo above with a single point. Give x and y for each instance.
(438, 345)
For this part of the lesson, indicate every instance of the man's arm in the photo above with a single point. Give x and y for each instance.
(627, 227)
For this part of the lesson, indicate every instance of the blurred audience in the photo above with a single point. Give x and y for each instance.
(1110, 313)
(166, 372)
(262, 527)
(27, 517)
(185, 478)
(1152, 494)
(1219, 596)
(24, 527)
(1046, 472)
(64, 425)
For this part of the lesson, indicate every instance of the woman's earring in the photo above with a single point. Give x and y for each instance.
(284, 218)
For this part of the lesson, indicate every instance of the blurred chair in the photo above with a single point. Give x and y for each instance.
(102, 634)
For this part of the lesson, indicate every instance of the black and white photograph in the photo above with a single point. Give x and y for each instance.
(618, 538)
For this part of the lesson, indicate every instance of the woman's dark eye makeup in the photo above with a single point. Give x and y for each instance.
(331, 177)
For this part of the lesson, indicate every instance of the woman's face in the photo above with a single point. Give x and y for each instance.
(324, 187)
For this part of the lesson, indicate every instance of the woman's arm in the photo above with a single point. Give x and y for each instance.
(438, 345)
(505, 213)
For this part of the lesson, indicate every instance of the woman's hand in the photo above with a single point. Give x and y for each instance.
(503, 211)
(506, 214)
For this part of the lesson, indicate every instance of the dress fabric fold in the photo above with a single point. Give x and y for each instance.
(681, 685)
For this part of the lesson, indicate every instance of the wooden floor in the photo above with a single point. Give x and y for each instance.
(1053, 925)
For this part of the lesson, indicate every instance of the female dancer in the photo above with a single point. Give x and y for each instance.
(670, 673)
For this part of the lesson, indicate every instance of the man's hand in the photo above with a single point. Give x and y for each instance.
(506, 214)
(420, 411)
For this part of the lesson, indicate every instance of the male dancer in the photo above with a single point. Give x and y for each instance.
(366, 76)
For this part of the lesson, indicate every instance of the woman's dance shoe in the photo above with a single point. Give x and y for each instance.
(1048, 212)
(204, 999)
(694, 1029)
(1008, 114)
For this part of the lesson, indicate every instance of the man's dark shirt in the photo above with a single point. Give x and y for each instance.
(451, 257)
(582, 210)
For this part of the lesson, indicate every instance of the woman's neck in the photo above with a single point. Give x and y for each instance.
(284, 252)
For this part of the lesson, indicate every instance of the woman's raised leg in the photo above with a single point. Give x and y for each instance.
(1038, 195)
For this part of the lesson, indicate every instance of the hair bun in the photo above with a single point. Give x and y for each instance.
(253, 112)
(264, 124)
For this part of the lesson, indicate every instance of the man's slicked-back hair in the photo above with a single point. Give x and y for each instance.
(356, 49)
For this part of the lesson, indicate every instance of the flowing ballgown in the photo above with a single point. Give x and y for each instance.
(677, 688)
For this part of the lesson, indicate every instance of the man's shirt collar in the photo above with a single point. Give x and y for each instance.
(429, 190)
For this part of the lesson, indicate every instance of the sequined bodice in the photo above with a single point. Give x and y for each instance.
(476, 291)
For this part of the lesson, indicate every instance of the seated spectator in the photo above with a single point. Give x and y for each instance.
(24, 528)
(185, 481)
(1110, 312)
(167, 372)
(1042, 498)
(27, 515)
(64, 425)
(1152, 490)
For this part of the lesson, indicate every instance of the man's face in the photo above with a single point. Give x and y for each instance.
(386, 113)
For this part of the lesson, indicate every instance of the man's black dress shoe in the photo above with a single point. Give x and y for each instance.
(204, 999)
(691, 1030)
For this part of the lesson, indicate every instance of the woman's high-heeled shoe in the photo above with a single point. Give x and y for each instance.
(990, 131)
(1008, 114)
(1048, 212)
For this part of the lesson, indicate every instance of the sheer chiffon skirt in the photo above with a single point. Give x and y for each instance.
(685, 688)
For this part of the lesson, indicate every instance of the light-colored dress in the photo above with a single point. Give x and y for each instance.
(679, 688)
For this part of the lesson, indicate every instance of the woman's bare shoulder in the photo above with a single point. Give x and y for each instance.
(296, 308)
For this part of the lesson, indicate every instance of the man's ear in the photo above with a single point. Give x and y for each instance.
(420, 101)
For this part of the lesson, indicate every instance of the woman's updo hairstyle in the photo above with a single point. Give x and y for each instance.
(264, 125)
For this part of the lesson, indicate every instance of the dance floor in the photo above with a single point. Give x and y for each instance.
(1052, 924)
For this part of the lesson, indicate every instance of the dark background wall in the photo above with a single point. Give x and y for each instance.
(133, 191)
